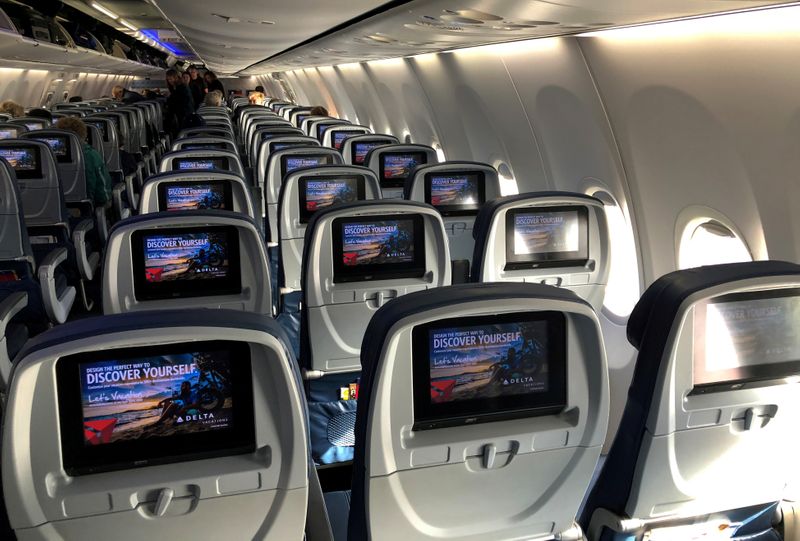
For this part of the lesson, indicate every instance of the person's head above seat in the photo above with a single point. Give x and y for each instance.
(12, 108)
(193, 73)
(318, 110)
(260, 88)
(172, 77)
(186, 78)
(257, 98)
(73, 124)
(213, 98)
(117, 92)
(210, 76)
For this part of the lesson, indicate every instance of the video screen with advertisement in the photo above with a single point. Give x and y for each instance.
(34, 125)
(550, 236)
(214, 194)
(199, 164)
(186, 262)
(378, 248)
(318, 193)
(60, 147)
(746, 337)
(293, 162)
(6, 133)
(488, 367)
(143, 405)
(361, 149)
(24, 161)
(205, 146)
(397, 166)
(455, 193)
(276, 146)
(340, 136)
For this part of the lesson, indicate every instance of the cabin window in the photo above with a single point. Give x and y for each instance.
(706, 241)
(622, 289)
(508, 184)
(439, 153)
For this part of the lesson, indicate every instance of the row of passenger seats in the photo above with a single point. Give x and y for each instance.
(343, 255)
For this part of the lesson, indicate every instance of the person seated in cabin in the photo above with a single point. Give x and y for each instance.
(125, 96)
(257, 98)
(10, 107)
(260, 88)
(75, 99)
(197, 85)
(213, 98)
(180, 104)
(41, 113)
(98, 181)
(213, 83)
(318, 110)
(151, 94)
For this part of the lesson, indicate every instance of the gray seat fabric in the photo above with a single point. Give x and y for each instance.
(338, 505)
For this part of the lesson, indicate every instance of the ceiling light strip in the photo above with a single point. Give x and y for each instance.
(104, 10)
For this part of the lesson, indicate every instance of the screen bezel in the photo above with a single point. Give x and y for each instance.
(230, 285)
(305, 214)
(290, 144)
(79, 459)
(67, 157)
(36, 172)
(222, 160)
(377, 271)
(457, 210)
(102, 126)
(204, 146)
(372, 141)
(227, 192)
(308, 155)
(743, 377)
(324, 126)
(578, 258)
(354, 131)
(429, 416)
(398, 182)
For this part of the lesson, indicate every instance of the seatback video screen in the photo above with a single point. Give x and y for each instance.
(60, 147)
(200, 164)
(186, 262)
(102, 126)
(7, 133)
(745, 338)
(339, 137)
(204, 146)
(455, 193)
(213, 194)
(547, 237)
(147, 405)
(324, 126)
(397, 166)
(24, 161)
(319, 193)
(379, 248)
(360, 150)
(488, 368)
(34, 125)
(276, 146)
(293, 162)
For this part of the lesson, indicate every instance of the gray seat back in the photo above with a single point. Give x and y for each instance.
(68, 151)
(57, 472)
(355, 149)
(337, 306)
(554, 238)
(335, 136)
(457, 190)
(110, 139)
(11, 131)
(14, 242)
(307, 191)
(273, 132)
(186, 259)
(395, 163)
(190, 190)
(204, 159)
(215, 143)
(32, 123)
(37, 178)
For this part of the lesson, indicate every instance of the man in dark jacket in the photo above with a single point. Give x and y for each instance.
(125, 96)
(180, 104)
(197, 85)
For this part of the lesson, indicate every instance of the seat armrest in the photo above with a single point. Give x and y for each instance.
(9, 307)
(87, 262)
(101, 218)
(133, 198)
(57, 307)
(120, 208)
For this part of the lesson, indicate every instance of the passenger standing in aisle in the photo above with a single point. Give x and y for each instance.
(214, 83)
(179, 106)
(197, 85)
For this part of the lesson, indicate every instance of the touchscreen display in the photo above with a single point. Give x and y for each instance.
(551, 236)
(455, 193)
(204, 146)
(195, 196)
(397, 166)
(130, 407)
(186, 262)
(373, 249)
(102, 126)
(298, 161)
(5, 133)
(745, 337)
(340, 136)
(318, 193)
(34, 125)
(274, 147)
(25, 161)
(201, 164)
(59, 146)
(488, 367)
(360, 150)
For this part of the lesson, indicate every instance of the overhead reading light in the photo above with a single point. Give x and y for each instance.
(104, 10)
(128, 25)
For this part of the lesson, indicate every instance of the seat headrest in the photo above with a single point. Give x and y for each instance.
(661, 302)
